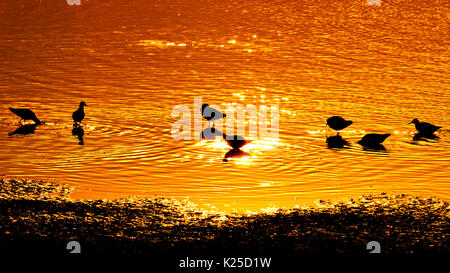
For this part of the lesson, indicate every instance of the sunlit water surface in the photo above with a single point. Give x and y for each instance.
(134, 61)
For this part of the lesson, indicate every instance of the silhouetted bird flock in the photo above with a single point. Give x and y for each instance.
(27, 114)
(372, 140)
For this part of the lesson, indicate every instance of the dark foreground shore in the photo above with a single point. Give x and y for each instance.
(40, 216)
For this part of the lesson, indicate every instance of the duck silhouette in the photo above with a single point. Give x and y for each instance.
(25, 114)
(425, 128)
(79, 132)
(373, 141)
(336, 142)
(211, 114)
(78, 115)
(24, 130)
(338, 123)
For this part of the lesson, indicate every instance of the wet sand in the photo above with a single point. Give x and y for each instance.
(41, 215)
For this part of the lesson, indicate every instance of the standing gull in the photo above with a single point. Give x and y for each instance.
(78, 115)
(25, 114)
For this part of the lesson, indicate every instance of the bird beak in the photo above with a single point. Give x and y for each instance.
(410, 122)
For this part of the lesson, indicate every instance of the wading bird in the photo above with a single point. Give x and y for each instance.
(78, 115)
(25, 114)
(373, 141)
(338, 123)
(425, 128)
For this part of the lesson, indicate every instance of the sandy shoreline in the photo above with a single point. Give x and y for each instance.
(40, 213)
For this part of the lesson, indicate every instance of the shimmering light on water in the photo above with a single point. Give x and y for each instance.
(133, 61)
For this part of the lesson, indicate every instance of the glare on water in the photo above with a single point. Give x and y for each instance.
(134, 61)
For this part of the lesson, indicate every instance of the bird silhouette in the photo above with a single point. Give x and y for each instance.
(78, 115)
(425, 128)
(336, 142)
(24, 130)
(25, 114)
(211, 114)
(373, 141)
(235, 141)
(338, 123)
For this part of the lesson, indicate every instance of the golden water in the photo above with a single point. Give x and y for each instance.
(133, 61)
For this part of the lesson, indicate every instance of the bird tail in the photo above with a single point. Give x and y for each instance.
(224, 115)
(12, 110)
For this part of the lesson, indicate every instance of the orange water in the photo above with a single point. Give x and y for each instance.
(133, 61)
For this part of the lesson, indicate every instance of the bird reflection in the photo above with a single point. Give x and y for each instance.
(78, 131)
(210, 133)
(24, 130)
(336, 142)
(425, 137)
(234, 141)
(375, 147)
(234, 153)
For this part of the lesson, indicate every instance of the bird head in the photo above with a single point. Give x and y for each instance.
(415, 121)
(204, 106)
(83, 104)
